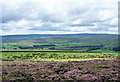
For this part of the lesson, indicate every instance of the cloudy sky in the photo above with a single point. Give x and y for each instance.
(58, 16)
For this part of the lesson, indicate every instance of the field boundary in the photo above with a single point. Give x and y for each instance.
(47, 51)
(56, 60)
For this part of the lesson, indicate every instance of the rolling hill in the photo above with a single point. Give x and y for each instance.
(81, 42)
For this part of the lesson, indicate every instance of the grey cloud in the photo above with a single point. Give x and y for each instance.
(37, 12)
(28, 11)
(47, 27)
(74, 25)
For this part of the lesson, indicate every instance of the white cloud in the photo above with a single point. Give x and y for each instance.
(22, 23)
(62, 16)
(105, 14)
(114, 21)
(78, 21)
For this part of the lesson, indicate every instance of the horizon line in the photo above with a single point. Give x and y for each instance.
(59, 34)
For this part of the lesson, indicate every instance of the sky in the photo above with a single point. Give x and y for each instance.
(58, 16)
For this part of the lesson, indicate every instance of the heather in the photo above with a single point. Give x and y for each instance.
(93, 70)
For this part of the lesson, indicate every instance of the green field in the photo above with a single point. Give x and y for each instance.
(56, 56)
(105, 43)
(64, 47)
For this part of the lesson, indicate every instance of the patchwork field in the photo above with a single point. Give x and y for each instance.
(73, 42)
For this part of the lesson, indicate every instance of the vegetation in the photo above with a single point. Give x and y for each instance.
(94, 70)
(92, 57)
(56, 56)
(76, 42)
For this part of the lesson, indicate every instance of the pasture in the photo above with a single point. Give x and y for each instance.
(60, 56)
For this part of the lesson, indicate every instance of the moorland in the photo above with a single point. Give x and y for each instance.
(92, 57)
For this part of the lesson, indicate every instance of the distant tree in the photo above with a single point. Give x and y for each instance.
(15, 48)
(52, 48)
(117, 48)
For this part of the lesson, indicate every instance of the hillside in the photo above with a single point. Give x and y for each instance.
(79, 42)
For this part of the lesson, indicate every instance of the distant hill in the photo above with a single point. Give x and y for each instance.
(16, 38)
(81, 42)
